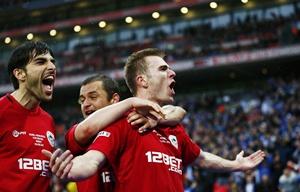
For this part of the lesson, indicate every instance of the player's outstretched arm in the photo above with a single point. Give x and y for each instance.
(211, 161)
(64, 166)
(101, 118)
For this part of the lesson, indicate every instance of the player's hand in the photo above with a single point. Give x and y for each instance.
(60, 162)
(251, 161)
(147, 108)
(142, 123)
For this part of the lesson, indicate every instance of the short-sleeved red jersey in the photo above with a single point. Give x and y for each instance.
(150, 162)
(102, 181)
(23, 134)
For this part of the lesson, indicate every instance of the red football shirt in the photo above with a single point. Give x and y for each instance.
(150, 162)
(102, 181)
(23, 134)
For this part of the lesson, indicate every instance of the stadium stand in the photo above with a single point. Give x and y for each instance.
(262, 29)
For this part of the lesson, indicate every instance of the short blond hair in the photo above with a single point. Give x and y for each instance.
(136, 65)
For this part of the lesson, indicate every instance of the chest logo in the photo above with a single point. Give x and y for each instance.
(50, 138)
(173, 140)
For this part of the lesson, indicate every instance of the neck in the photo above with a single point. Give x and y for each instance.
(25, 99)
(147, 96)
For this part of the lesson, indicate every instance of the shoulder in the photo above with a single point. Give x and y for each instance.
(73, 126)
(178, 128)
(4, 104)
(120, 128)
(122, 122)
(45, 114)
(4, 101)
(46, 118)
(71, 130)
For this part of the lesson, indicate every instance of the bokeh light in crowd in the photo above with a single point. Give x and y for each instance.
(213, 5)
(128, 19)
(184, 10)
(29, 36)
(53, 32)
(77, 28)
(7, 40)
(102, 24)
(155, 15)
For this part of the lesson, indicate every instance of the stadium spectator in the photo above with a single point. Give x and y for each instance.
(25, 127)
(288, 181)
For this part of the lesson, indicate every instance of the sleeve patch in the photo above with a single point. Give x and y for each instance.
(103, 134)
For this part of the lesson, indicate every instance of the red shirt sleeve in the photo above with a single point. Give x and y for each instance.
(71, 142)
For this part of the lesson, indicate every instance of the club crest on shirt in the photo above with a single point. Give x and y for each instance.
(173, 141)
(51, 138)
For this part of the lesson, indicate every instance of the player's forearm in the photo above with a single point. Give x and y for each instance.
(101, 118)
(173, 115)
(86, 165)
(210, 161)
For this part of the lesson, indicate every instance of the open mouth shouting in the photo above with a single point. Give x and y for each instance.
(48, 84)
(171, 86)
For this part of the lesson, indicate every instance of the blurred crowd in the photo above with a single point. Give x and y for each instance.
(181, 41)
(225, 122)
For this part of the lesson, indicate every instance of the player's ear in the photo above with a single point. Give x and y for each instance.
(115, 98)
(142, 81)
(19, 74)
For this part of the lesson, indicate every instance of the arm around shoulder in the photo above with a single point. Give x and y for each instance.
(101, 118)
(173, 115)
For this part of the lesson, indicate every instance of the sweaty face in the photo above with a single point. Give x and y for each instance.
(160, 80)
(92, 97)
(40, 76)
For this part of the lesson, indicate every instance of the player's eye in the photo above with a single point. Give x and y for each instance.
(93, 98)
(81, 100)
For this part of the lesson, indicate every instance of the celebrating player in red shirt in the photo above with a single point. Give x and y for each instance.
(154, 160)
(96, 92)
(25, 128)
